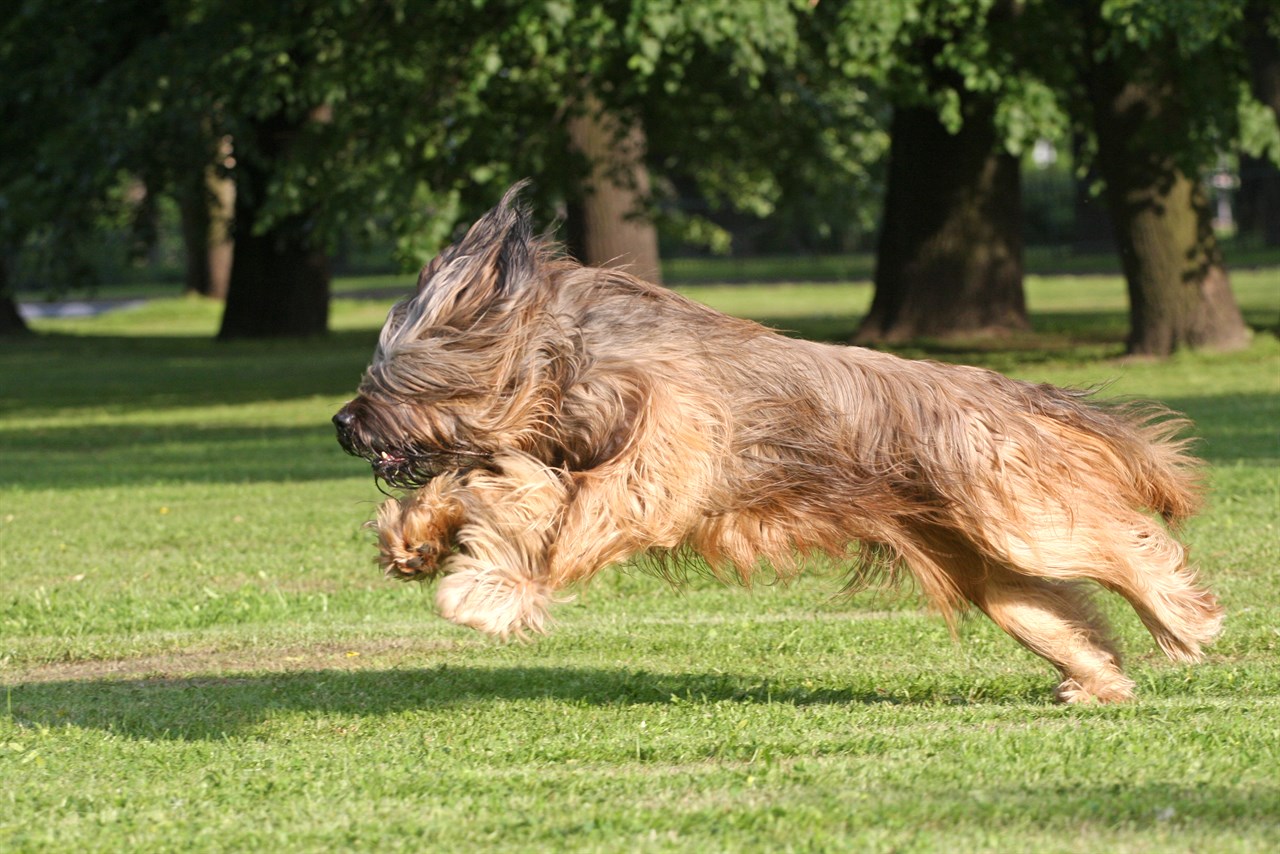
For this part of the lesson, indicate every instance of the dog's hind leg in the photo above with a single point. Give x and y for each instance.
(1147, 566)
(1052, 618)
(1055, 621)
(1128, 553)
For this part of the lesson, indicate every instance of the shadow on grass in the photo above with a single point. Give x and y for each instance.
(1233, 427)
(1054, 335)
(133, 373)
(64, 457)
(211, 707)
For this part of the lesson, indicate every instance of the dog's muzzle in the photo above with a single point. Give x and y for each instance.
(393, 467)
(406, 467)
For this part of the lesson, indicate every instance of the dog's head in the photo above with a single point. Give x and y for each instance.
(469, 365)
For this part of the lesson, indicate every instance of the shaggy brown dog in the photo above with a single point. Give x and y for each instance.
(550, 420)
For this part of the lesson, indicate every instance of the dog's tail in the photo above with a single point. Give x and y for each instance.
(1145, 443)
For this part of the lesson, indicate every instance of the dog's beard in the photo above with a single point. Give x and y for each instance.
(414, 467)
(399, 457)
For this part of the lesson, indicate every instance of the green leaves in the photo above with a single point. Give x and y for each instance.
(1195, 24)
(764, 106)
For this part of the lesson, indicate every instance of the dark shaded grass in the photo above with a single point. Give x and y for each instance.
(182, 451)
(126, 374)
(214, 707)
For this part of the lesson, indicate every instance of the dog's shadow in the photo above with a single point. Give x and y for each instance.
(214, 707)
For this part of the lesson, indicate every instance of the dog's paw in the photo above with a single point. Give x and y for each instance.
(404, 562)
(492, 602)
(415, 535)
(1118, 689)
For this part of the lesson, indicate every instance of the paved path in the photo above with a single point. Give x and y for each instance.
(75, 308)
(95, 307)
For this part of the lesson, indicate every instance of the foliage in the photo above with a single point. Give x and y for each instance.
(413, 116)
(196, 651)
(58, 166)
(427, 108)
(1196, 47)
(933, 52)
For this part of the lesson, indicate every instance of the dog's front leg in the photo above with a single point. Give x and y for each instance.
(417, 532)
(496, 581)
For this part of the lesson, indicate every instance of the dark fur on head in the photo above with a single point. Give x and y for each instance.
(551, 419)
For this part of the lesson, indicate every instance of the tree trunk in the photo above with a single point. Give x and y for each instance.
(1257, 202)
(949, 259)
(11, 320)
(607, 223)
(12, 323)
(1263, 51)
(279, 284)
(1179, 291)
(193, 215)
(206, 211)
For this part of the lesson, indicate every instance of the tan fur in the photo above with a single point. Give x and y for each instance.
(558, 419)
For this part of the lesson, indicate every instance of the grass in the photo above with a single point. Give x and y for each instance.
(1242, 256)
(197, 653)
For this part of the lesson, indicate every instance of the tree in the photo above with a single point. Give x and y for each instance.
(949, 256)
(1258, 200)
(1145, 87)
(97, 94)
(607, 219)
(1261, 38)
(412, 92)
(751, 117)
(57, 170)
(949, 260)
(206, 204)
(279, 284)
(650, 84)
(11, 320)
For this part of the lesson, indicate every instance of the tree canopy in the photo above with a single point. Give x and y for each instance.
(429, 108)
(395, 120)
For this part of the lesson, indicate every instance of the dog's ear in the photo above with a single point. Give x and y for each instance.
(496, 259)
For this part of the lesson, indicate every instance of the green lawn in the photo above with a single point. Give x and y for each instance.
(197, 652)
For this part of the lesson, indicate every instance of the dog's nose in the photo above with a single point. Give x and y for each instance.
(345, 421)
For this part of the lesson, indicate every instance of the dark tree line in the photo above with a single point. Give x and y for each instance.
(395, 119)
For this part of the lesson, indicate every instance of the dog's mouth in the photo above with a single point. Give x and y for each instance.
(389, 467)
(404, 464)
(415, 468)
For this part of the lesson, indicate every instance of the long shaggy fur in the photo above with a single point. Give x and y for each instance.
(550, 420)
